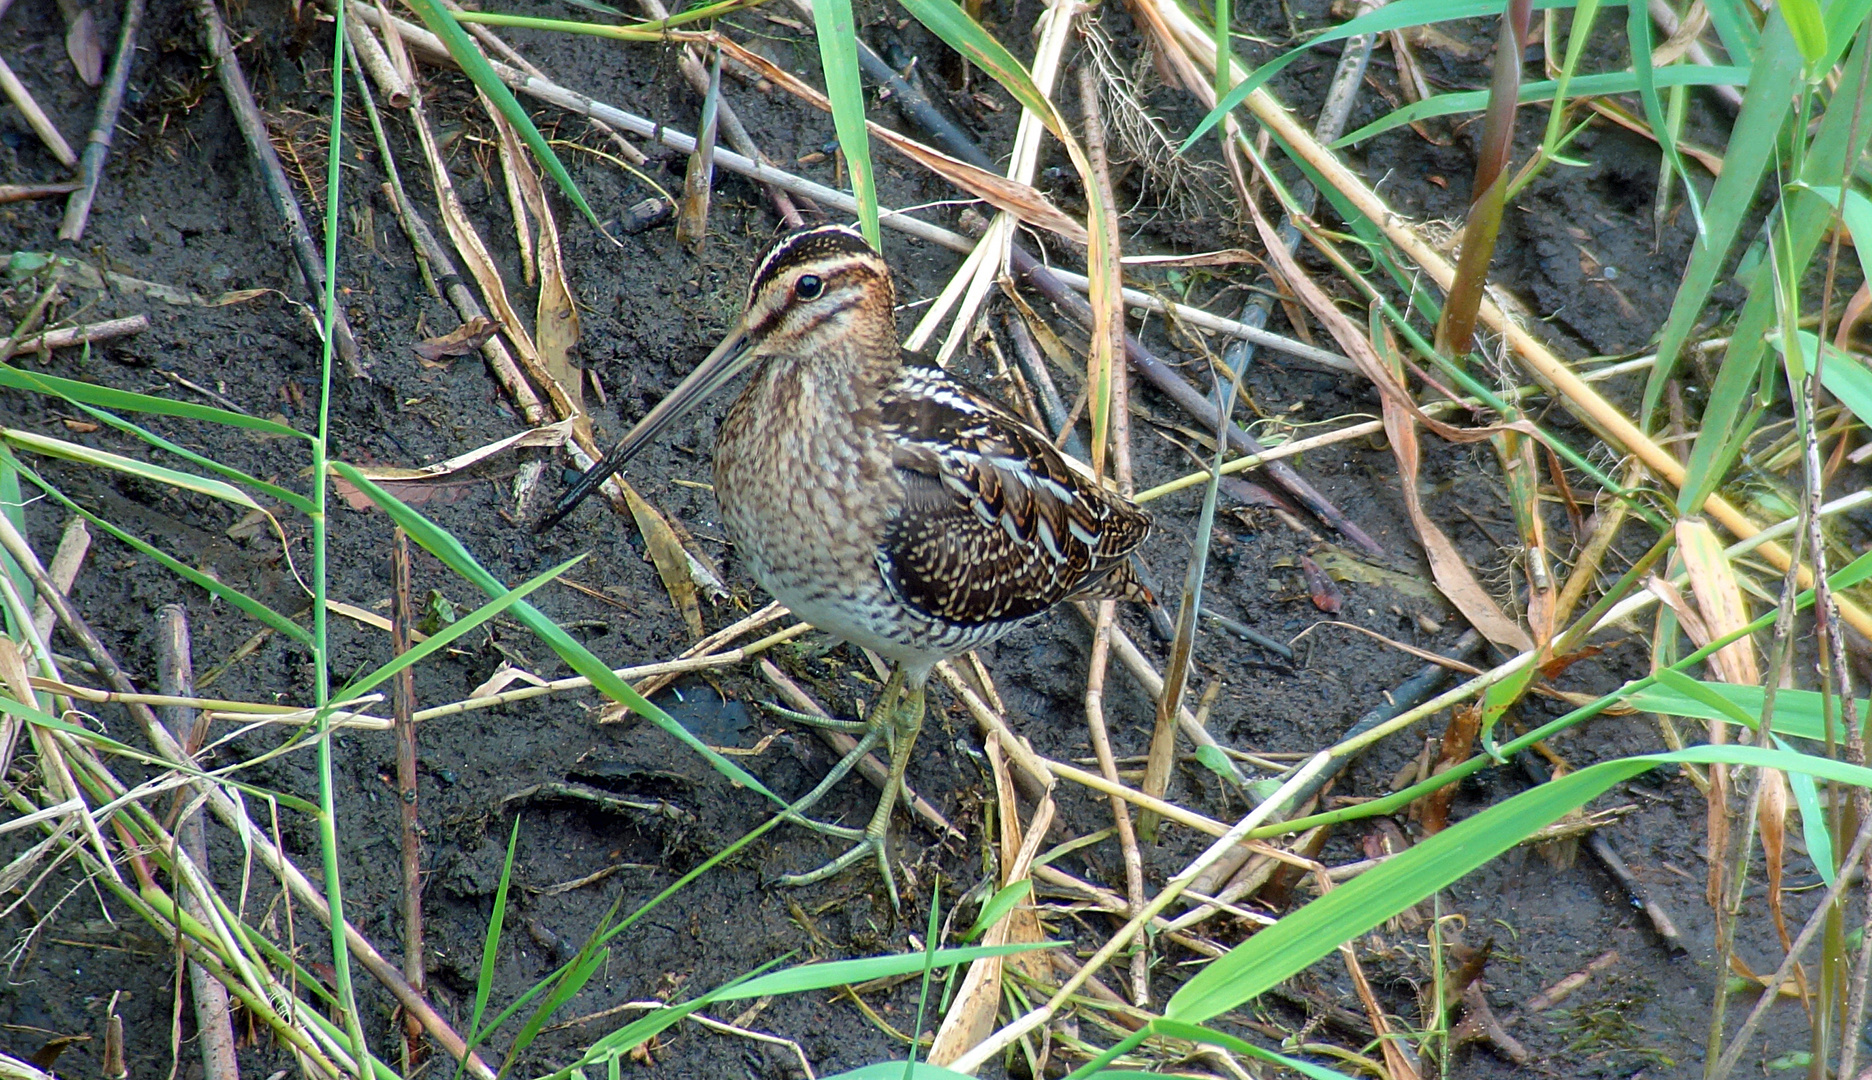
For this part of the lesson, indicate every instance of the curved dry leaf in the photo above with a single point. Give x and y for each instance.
(666, 552)
(460, 341)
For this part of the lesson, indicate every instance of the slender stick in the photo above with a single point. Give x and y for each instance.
(41, 124)
(97, 144)
(175, 674)
(253, 129)
(1771, 988)
(10, 193)
(403, 705)
(84, 335)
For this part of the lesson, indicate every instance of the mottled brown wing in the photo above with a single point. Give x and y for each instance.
(996, 525)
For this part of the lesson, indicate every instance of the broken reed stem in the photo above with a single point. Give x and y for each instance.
(253, 130)
(1121, 814)
(97, 143)
(73, 544)
(403, 708)
(1120, 437)
(692, 71)
(175, 675)
(1033, 1019)
(83, 334)
(11, 193)
(36, 118)
(234, 814)
(372, 58)
(493, 350)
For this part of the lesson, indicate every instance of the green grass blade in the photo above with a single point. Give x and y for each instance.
(1798, 713)
(1397, 16)
(490, 942)
(227, 472)
(1734, 21)
(571, 979)
(998, 905)
(801, 979)
(1808, 27)
(1196, 1033)
(13, 505)
(904, 1070)
(38, 718)
(104, 459)
(1583, 86)
(106, 397)
(475, 65)
(1364, 903)
(1813, 819)
(830, 973)
(838, 56)
(1751, 146)
(948, 21)
(235, 597)
(454, 630)
(1840, 138)
(1638, 37)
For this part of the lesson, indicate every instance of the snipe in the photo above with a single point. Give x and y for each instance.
(880, 499)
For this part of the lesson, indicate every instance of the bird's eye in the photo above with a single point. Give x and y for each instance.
(809, 287)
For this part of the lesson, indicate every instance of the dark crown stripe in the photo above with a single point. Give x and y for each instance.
(807, 246)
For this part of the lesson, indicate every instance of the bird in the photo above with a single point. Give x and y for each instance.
(879, 498)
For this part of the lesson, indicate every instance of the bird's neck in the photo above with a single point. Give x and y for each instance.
(842, 372)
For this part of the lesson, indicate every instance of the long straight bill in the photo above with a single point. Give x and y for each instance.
(714, 372)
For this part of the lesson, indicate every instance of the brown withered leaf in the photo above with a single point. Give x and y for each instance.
(1401, 419)
(460, 341)
(82, 46)
(666, 551)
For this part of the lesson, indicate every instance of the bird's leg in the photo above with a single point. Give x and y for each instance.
(897, 718)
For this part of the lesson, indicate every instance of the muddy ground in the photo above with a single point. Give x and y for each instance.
(181, 204)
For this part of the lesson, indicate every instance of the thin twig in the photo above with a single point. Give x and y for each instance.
(1771, 987)
(691, 66)
(254, 130)
(10, 193)
(403, 706)
(41, 124)
(84, 334)
(175, 674)
(97, 144)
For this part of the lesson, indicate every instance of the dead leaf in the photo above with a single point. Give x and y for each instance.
(667, 553)
(83, 48)
(504, 676)
(1326, 596)
(1772, 820)
(549, 435)
(82, 427)
(1719, 598)
(239, 296)
(460, 341)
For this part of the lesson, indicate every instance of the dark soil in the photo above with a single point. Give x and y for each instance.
(182, 204)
